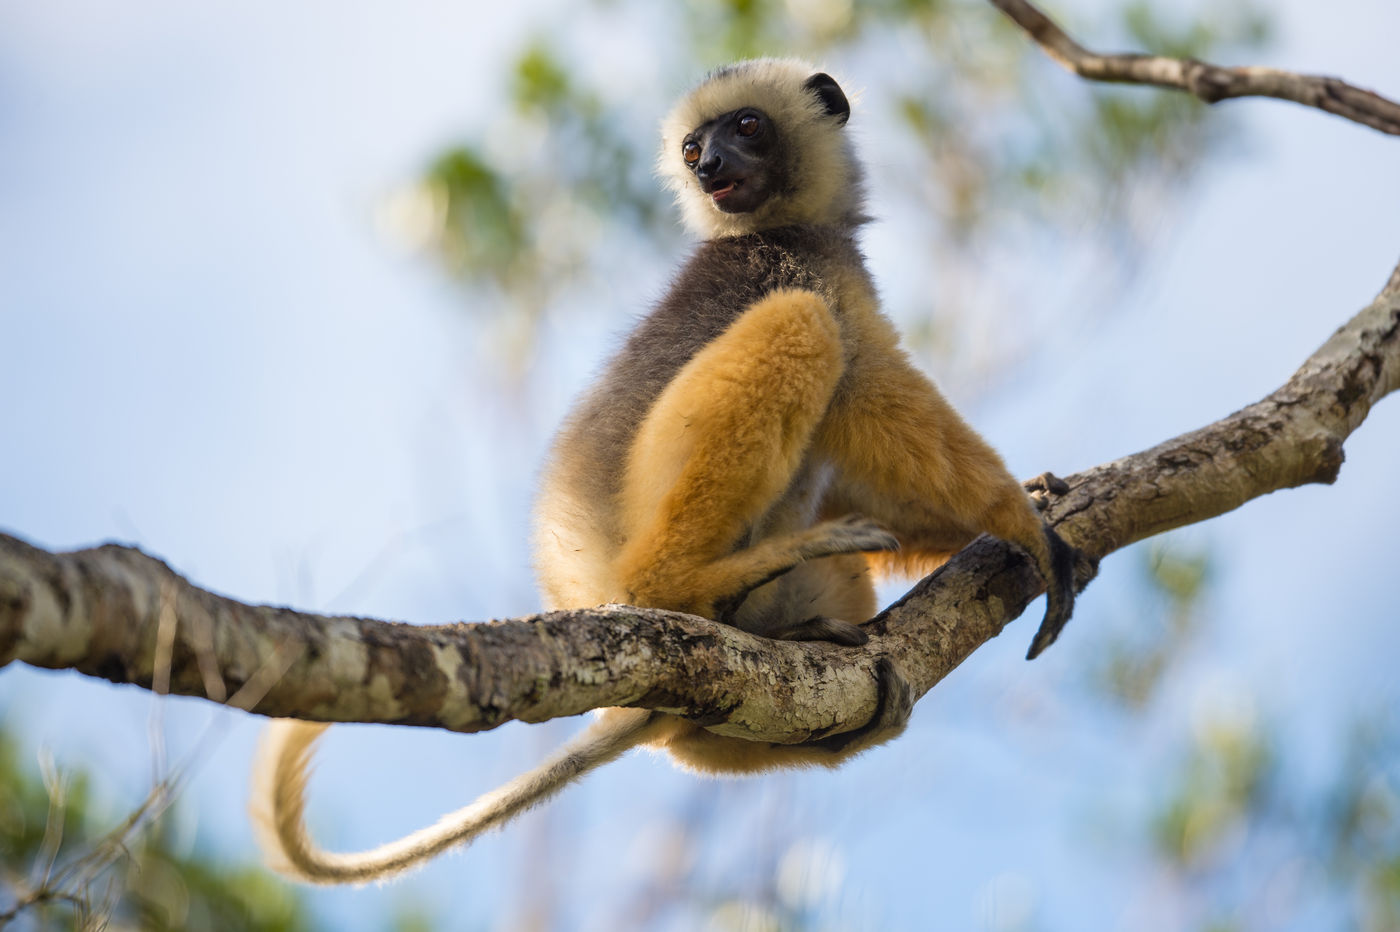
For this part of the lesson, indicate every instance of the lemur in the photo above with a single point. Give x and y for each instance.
(760, 443)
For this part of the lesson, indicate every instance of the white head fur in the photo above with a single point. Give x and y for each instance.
(826, 184)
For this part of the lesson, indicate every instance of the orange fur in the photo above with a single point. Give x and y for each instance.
(721, 444)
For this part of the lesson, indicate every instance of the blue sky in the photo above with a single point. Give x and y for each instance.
(211, 352)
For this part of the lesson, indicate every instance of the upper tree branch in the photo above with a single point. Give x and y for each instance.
(116, 613)
(1208, 82)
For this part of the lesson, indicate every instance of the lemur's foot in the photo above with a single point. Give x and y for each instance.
(851, 534)
(1043, 486)
(822, 629)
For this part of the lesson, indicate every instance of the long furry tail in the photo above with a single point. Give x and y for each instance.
(278, 804)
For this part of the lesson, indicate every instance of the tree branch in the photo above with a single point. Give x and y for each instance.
(100, 611)
(1210, 83)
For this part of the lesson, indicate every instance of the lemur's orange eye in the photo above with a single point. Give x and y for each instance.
(748, 124)
(691, 152)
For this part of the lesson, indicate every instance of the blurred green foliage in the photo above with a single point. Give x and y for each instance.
(475, 197)
(1243, 832)
(1360, 824)
(1131, 664)
(59, 853)
(519, 211)
(1148, 28)
(1249, 844)
(1226, 775)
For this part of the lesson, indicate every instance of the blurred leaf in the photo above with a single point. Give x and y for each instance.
(1134, 661)
(481, 229)
(155, 887)
(540, 81)
(1223, 783)
(1240, 823)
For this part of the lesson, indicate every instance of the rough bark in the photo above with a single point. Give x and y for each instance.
(1209, 83)
(116, 613)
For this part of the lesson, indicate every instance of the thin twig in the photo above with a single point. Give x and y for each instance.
(38, 898)
(201, 639)
(57, 789)
(1210, 83)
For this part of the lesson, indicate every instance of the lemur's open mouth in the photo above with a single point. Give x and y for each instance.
(720, 194)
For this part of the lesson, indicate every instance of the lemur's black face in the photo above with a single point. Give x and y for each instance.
(734, 158)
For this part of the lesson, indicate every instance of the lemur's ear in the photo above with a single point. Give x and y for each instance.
(830, 94)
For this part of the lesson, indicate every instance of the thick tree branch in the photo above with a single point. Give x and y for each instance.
(1210, 83)
(99, 612)
(116, 613)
